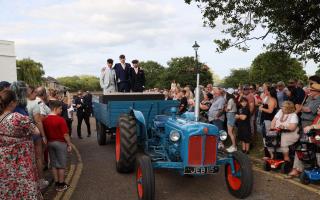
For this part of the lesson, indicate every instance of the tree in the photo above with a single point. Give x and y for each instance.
(84, 82)
(275, 66)
(30, 71)
(183, 71)
(295, 25)
(237, 76)
(154, 73)
(318, 71)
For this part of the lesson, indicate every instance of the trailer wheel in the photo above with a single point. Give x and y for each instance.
(126, 144)
(101, 133)
(304, 179)
(240, 184)
(145, 179)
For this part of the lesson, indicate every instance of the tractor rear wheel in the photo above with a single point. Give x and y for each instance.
(240, 184)
(101, 133)
(126, 144)
(145, 179)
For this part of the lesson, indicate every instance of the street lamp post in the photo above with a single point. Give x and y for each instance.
(197, 106)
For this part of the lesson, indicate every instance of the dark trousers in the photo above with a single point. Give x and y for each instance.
(84, 117)
(69, 124)
(123, 87)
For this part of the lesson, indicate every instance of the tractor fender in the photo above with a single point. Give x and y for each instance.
(139, 117)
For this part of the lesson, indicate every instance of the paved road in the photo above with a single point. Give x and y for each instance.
(99, 180)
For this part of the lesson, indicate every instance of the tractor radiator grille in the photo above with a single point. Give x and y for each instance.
(195, 150)
(211, 150)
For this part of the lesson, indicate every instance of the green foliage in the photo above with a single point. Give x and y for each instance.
(154, 73)
(30, 71)
(84, 82)
(183, 70)
(295, 25)
(237, 76)
(267, 67)
(275, 66)
(318, 71)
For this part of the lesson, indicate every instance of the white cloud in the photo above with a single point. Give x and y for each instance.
(77, 36)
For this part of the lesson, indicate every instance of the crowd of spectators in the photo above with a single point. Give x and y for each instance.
(35, 124)
(252, 108)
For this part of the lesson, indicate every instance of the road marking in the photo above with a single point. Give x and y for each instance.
(72, 177)
(281, 177)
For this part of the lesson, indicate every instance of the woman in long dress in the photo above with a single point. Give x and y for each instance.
(18, 172)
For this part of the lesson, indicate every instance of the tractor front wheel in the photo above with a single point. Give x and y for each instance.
(145, 179)
(239, 184)
(126, 144)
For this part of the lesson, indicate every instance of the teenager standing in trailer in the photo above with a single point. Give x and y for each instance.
(137, 77)
(108, 78)
(122, 70)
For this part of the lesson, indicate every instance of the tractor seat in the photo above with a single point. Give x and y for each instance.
(160, 120)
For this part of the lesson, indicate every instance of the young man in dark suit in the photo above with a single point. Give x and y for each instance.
(122, 70)
(137, 77)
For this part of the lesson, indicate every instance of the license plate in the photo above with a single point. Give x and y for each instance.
(199, 170)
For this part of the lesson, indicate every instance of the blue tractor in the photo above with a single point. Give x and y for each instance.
(179, 143)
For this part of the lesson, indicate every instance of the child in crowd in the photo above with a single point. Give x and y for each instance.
(59, 143)
(243, 121)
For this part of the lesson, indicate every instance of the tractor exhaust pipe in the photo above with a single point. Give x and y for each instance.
(197, 106)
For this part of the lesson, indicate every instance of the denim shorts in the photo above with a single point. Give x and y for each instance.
(231, 118)
(36, 138)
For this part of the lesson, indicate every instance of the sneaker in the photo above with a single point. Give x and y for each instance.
(231, 149)
(62, 187)
(43, 183)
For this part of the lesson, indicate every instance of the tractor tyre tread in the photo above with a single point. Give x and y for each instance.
(128, 144)
(148, 179)
(246, 176)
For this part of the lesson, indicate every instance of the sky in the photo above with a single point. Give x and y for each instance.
(76, 37)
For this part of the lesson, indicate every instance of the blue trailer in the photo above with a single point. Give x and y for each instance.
(108, 108)
(168, 141)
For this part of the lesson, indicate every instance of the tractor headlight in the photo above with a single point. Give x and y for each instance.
(174, 136)
(223, 135)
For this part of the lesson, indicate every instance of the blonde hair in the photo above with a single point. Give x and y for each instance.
(288, 107)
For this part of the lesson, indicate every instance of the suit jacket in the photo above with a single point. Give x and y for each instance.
(108, 80)
(137, 80)
(122, 75)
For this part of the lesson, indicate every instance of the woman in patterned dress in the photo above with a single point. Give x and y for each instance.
(18, 175)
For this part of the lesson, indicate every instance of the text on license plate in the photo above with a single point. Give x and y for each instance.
(199, 170)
